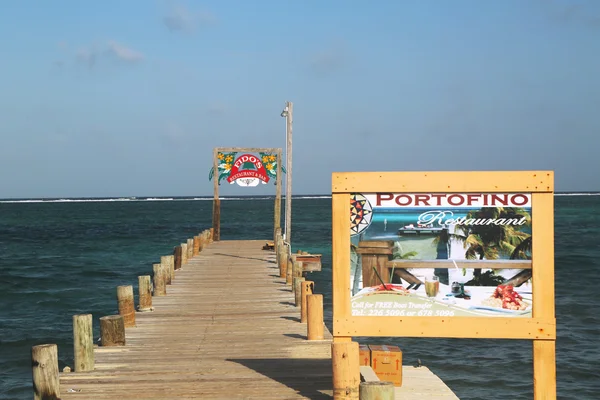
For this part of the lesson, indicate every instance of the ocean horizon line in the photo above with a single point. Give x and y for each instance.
(198, 198)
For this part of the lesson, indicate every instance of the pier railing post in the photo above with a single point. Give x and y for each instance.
(298, 291)
(190, 248)
(44, 362)
(307, 288)
(83, 343)
(346, 370)
(196, 241)
(160, 287)
(126, 304)
(171, 267)
(145, 293)
(112, 331)
(376, 390)
(289, 276)
(165, 265)
(212, 235)
(177, 257)
(314, 326)
(184, 252)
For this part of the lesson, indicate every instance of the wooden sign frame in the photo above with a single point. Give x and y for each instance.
(541, 327)
(217, 201)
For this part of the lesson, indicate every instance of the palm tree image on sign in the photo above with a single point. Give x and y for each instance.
(450, 254)
(246, 169)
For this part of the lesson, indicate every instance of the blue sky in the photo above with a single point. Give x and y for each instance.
(126, 98)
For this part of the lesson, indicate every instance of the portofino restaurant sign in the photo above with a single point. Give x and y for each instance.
(445, 254)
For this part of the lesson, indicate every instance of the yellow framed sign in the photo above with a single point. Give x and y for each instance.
(447, 254)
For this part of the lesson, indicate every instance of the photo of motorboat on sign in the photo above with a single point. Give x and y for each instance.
(419, 229)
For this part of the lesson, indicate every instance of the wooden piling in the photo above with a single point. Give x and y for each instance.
(307, 288)
(212, 235)
(160, 287)
(376, 390)
(177, 257)
(165, 265)
(346, 370)
(83, 343)
(171, 269)
(126, 304)
(289, 277)
(112, 331)
(297, 268)
(184, 252)
(315, 328)
(198, 244)
(145, 293)
(190, 248)
(44, 362)
(298, 290)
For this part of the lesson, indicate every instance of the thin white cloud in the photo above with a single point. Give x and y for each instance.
(124, 53)
(182, 19)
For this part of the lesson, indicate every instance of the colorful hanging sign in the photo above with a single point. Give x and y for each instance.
(247, 169)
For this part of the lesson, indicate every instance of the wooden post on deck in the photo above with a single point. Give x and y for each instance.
(177, 257)
(112, 331)
(298, 290)
(44, 361)
(184, 252)
(346, 370)
(211, 237)
(145, 293)
(190, 248)
(376, 390)
(126, 304)
(83, 343)
(289, 263)
(160, 287)
(307, 288)
(314, 326)
(297, 268)
(196, 247)
(216, 220)
(165, 265)
(171, 265)
(277, 213)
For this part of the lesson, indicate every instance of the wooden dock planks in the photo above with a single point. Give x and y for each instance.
(227, 329)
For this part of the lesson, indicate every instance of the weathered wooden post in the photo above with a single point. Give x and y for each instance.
(145, 293)
(126, 304)
(160, 287)
(307, 288)
(297, 267)
(44, 362)
(346, 370)
(212, 235)
(201, 241)
(289, 276)
(83, 343)
(112, 331)
(375, 254)
(171, 267)
(165, 265)
(190, 248)
(196, 247)
(298, 290)
(314, 326)
(376, 390)
(177, 257)
(184, 252)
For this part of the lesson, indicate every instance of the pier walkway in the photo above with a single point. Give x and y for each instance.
(227, 329)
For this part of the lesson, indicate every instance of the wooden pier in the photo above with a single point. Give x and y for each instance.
(227, 327)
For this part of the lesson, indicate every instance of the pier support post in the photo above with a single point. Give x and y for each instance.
(184, 252)
(160, 287)
(346, 370)
(196, 247)
(298, 291)
(165, 265)
(212, 235)
(314, 326)
(177, 257)
(145, 293)
(297, 267)
(307, 288)
(289, 276)
(376, 390)
(281, 259)
(190, 248)
(44, 361)
(112, 331)
(126, 304)
(83, 343)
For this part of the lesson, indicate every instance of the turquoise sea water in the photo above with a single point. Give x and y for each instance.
(61, 258)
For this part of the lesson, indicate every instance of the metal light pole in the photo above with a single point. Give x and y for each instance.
(288, 113)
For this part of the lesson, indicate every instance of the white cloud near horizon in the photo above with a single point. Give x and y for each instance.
(90, 55)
